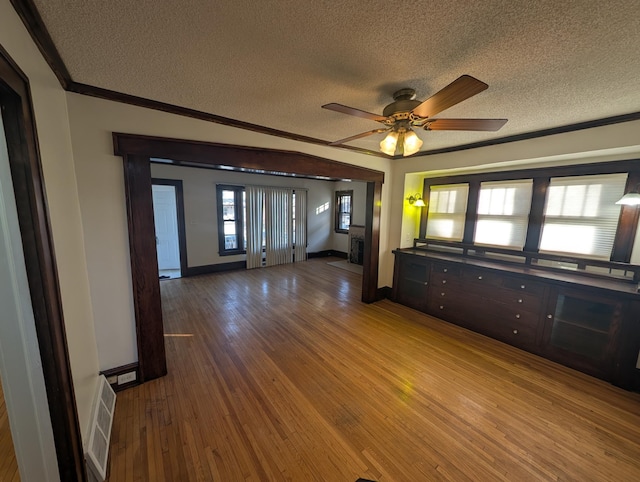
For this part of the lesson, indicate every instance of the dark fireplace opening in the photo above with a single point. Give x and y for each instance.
(356, 252)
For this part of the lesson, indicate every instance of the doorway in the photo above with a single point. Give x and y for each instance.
(168, 217)
(137, 153)
(36, 371)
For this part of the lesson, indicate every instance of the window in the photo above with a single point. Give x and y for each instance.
(581, 216)
(447, 211)
(344, 210)
(503, 213)
(232, 233)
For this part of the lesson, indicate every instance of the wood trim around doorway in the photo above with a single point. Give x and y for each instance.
(40, 263)
(139, 151)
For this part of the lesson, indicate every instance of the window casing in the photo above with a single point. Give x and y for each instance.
(344, 211)
(231, 226)
(447, 211)
(581, 216)
(614, 242)
(503, 213)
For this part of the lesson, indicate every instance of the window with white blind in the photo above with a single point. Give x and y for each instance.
(503, 213)
(581, 216)
(447, 211)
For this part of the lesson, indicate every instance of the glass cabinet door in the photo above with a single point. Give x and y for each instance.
(581, 329)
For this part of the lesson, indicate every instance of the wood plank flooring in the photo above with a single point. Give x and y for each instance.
(8, 463)
(283, 374)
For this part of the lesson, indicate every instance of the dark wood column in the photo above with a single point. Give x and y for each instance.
(144, 268)
(371, 243)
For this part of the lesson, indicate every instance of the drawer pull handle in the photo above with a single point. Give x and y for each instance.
(518, 315)
(549, 316)
(441, 294)
(479, 277)
(441, 307)
(445, 270)
(519, 300)
(515, 332)
(444, 281)
(522, 286)
(426, 283)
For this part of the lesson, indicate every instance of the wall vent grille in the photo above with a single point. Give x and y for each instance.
(97, 454)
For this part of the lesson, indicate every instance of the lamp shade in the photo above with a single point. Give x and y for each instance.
(388, 144)
(630, 199)
(412, 143)
(419, 203)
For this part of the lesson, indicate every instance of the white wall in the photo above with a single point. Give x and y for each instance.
(340, 241)
(102, 202)
(50, 106)
(200, 208)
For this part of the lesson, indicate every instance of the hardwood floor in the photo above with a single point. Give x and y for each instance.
(8, 463)
(283, 374)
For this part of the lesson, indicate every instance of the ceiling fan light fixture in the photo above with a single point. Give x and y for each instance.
(412, 143)
(389, 143)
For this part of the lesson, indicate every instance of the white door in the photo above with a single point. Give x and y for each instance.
(165, 215)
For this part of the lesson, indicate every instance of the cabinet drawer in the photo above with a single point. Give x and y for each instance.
(524, 301)
(450, 269)
(514, 332)
(523, 285)
(483, 277)
(442, 279)
(493, 320)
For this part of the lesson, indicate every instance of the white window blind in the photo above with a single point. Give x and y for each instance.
(447, 211)
(503, 213)
(581, 216)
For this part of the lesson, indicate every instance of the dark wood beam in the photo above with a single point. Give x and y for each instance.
(246, 159)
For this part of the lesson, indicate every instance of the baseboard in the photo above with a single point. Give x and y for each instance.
(115, 376)
(327, 253)
(384, 293)
(215, 268)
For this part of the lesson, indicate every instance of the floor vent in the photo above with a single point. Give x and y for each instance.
(97, 454)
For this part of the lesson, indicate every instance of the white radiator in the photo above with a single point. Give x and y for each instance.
(97, 450)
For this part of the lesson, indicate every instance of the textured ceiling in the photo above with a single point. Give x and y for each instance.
(274, 63)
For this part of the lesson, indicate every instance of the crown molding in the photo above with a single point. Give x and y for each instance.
(27, 11)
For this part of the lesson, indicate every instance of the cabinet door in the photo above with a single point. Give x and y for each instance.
(581, 329)
(411, 280)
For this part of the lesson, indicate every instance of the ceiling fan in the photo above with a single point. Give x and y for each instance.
(406, 112)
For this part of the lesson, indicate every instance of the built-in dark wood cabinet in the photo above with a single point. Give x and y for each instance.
(588, 323)
(411, 276)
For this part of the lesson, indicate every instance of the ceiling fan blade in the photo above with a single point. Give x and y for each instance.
(460, 89)
(464, 124)
(357, 136)
(343, 109)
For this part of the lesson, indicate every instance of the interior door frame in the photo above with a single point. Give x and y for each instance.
(137, 153)
(40, 263)
(182, 237)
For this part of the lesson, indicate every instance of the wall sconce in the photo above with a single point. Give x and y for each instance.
(632, 198)
(416, 200)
